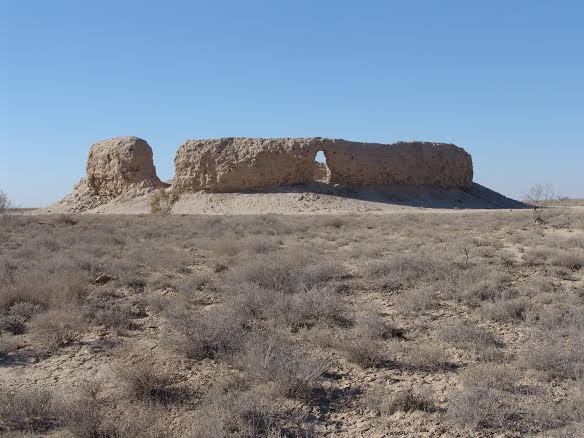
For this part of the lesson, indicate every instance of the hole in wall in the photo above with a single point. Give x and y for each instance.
(321, 171)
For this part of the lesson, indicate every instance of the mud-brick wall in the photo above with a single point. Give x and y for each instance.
(235, 164)
(416, 163)
(120, 164)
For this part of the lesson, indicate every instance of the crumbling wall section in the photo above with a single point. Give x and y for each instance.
(412, 163)
(121, 164)
(235, 164)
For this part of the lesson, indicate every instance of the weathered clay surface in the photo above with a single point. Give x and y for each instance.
(118, 168)
(235, 164)
(120, 164)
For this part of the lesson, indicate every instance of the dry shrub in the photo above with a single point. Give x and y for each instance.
(12, 324)
(7, 344)
(423, 356)
(147, 382)
(487, 252)
(333, 222)
(116, 316)
(285, 273)
(494, 407)
(270, 356)
(373, 326)
(502, 377)
(233, 410)
(7, 268)
(163, 256)
(362, 350)
(253, 301)
(568, 259)
(47, 244)
(66, 219)
(536, 256)
(188, 286)
(298, 297)
(415, 301)
(303, 309)
(27, 409)
(56, 328)
(213, 334)
(87, 415)
(506, 310)
(281, 275)
(366, 250)
(5, 205)
(82, 415)
(45, 289)
(386, 402)
(408, 270)
(555, 355)
(158, 303)
(558, 317)
(471, 337)
(364, 343)
(259, 245)
(483, 284)
(162, 201)
(160, 281)
(480, 407)
(226, 246)
(127, 273)
(24, 311)
(365, 352)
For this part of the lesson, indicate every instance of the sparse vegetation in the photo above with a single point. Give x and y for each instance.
(272, 357)
(542, 198)
(162, 201)
(211, 334)
(5, 205)
(56, 328)
(464, 324)
(145, 381)
(471, 337)
(27, 410)
(408, 400)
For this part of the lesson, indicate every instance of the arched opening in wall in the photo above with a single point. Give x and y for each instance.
(321, 171)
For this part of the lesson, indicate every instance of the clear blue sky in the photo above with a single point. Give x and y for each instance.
(502, 78)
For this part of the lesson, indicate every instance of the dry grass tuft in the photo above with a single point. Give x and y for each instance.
(385, 402)
(211, 334)
(272, 357)
(30, 410)
(56, 328)
(473, 338)
(147, 382)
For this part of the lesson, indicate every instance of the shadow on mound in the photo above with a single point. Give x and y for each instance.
(474, 197)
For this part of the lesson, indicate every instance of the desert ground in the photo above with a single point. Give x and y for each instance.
(417, 323)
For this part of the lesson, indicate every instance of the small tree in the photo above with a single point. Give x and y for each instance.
(5, 205)
(541, 198)
(162, 201)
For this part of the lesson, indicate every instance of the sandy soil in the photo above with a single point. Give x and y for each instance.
(314, 198)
